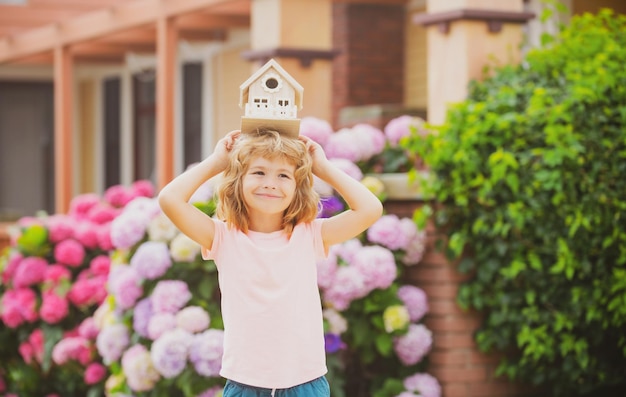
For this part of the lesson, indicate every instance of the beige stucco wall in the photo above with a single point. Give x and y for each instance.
(229, 71)
(415, 69)
(86, 136)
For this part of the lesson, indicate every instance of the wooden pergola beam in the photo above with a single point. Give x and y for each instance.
(165, 89)
(63, 128)
(96, 24)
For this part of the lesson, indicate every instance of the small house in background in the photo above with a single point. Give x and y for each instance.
(271, 98)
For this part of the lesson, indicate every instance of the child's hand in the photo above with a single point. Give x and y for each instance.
(317, 154)
(223, 148)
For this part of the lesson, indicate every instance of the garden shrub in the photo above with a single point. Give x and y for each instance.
(530, 192)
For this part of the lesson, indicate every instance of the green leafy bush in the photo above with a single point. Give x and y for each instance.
(530, 186)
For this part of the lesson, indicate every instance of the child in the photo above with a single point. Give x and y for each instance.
(265, 243)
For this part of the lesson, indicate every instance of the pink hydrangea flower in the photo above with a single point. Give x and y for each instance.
(118, 196)
(74, 348)
(342, 145)
(111, 342)
(169, 353)
(15, 258)
(138, 369)
(206, 352)
(100, 265)
(424, 384)
(102, 213)
(104, 237)
(60, 227)
(56, 273)
(30, 270)
(388, 231)
(371, 138)
(377, 265)
(69, 252)
(326, 269)
(88, 291)
(88, 328)
(347, 250)
(348, 285)
(19, 306)
(151, 260)
(415, 300)
(86, 233)
(94, 373)
(414, 345)
(142, 188)
(54, 308)
(193, 319)
(82, 204)
(400, 127)
(32, 349)
(317, 129)
(169, 296)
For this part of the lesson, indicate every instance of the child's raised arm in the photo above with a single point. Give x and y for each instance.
(365, 207)
(174, 197)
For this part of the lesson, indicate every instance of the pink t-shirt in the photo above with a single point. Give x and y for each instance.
(273, 325)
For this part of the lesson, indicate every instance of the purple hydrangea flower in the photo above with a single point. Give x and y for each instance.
(424, 384)
(151, 260)
(206, 352)
(125, 286)
(169, 353)
(169, 296)
(415, 300)
(193, 319)
(111, 342)
(159, 324)
(141, 316)
(414, 345)
(128, 228)
(333, 343)
(347, 286)
(330, 206)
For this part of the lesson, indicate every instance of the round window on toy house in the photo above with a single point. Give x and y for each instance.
(271, 83)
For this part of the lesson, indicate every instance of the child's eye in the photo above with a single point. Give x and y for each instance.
(258, 173)
(284, 176)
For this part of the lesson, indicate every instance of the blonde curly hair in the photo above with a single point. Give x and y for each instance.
(269, 144)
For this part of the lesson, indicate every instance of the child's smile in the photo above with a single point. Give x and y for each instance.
(269, 185)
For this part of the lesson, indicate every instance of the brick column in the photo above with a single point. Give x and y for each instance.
(369, 66)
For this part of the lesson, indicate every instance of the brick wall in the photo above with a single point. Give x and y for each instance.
(455, 360)
(369, 68)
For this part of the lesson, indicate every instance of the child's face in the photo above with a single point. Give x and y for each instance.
(269, 185)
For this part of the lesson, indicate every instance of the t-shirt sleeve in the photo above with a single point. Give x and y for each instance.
(210, 252)
(318, 242)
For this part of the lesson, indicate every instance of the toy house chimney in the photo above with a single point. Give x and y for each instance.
(271, 99)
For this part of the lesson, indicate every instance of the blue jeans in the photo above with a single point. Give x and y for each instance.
(316, 388)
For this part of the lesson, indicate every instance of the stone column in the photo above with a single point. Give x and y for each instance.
(297, 34)
(463, 37)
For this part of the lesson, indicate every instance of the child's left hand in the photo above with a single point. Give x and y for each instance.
(317, 154)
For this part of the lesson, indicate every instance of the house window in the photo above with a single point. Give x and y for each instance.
(261, 103)
(283, 108)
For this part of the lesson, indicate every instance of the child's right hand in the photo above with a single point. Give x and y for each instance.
(223, 149)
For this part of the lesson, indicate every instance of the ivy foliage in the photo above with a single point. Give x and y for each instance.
(530, 185)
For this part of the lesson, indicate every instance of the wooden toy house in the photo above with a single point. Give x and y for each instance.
(271, 98)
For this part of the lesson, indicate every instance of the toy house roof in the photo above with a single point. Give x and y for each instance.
(244, 89)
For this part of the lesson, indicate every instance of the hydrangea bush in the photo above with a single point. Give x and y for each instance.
(53, 277)
(157, 329)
